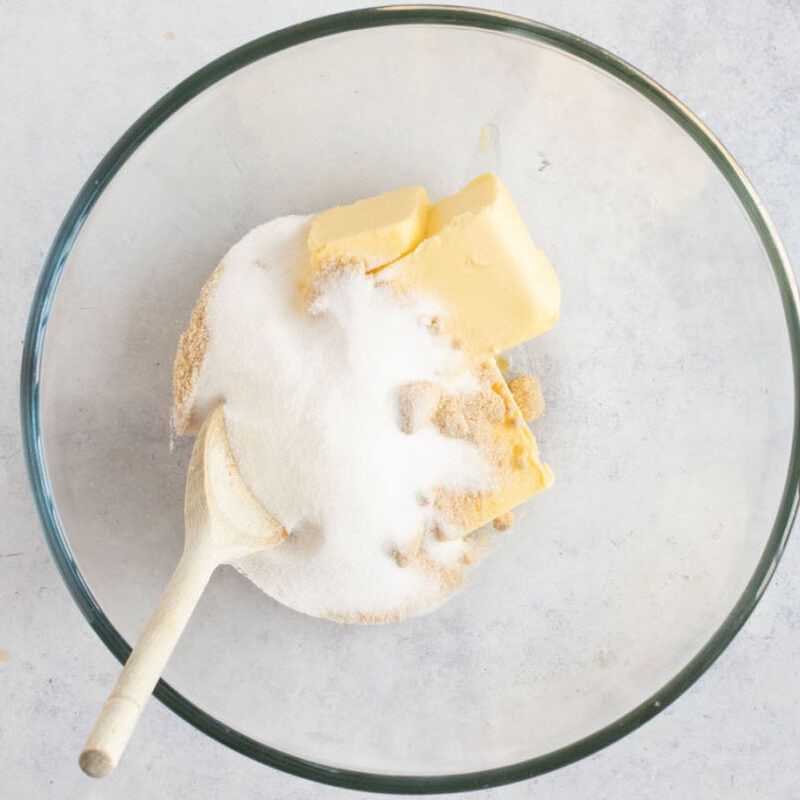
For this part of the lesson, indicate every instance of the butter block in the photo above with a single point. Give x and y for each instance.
(516, 457)
(370, 233)
(479, 260)
(509, 447)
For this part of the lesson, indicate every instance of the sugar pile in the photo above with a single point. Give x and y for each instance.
(312, 416)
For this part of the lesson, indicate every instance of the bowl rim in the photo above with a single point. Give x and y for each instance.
(262, 47)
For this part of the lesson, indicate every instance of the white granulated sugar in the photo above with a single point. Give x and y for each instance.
(312, 418)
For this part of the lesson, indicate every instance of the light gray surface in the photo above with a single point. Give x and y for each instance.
(80, 78)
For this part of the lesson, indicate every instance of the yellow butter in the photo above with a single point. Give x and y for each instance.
(479, 260)
(371, 233)
(517, 461)
(472, 251)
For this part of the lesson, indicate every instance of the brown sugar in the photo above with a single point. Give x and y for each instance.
(487, 405)
(470, 416)
(416, 404)
(528, 393)
(458, 508)
(504, 521)
(189, 358)
(450, 418)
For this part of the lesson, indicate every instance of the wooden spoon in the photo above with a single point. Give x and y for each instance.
(223, 523)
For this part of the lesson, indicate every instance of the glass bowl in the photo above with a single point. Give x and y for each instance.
(670, 382)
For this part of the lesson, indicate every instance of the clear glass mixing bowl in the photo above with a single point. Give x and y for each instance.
(670, 380)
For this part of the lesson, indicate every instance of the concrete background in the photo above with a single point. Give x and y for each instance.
(74, 76)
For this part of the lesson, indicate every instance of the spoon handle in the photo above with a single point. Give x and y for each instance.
(147, 660)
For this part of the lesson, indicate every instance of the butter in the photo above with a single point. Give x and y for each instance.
(479, 260)
(473, 253)
(369, 234)
(510, 449)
